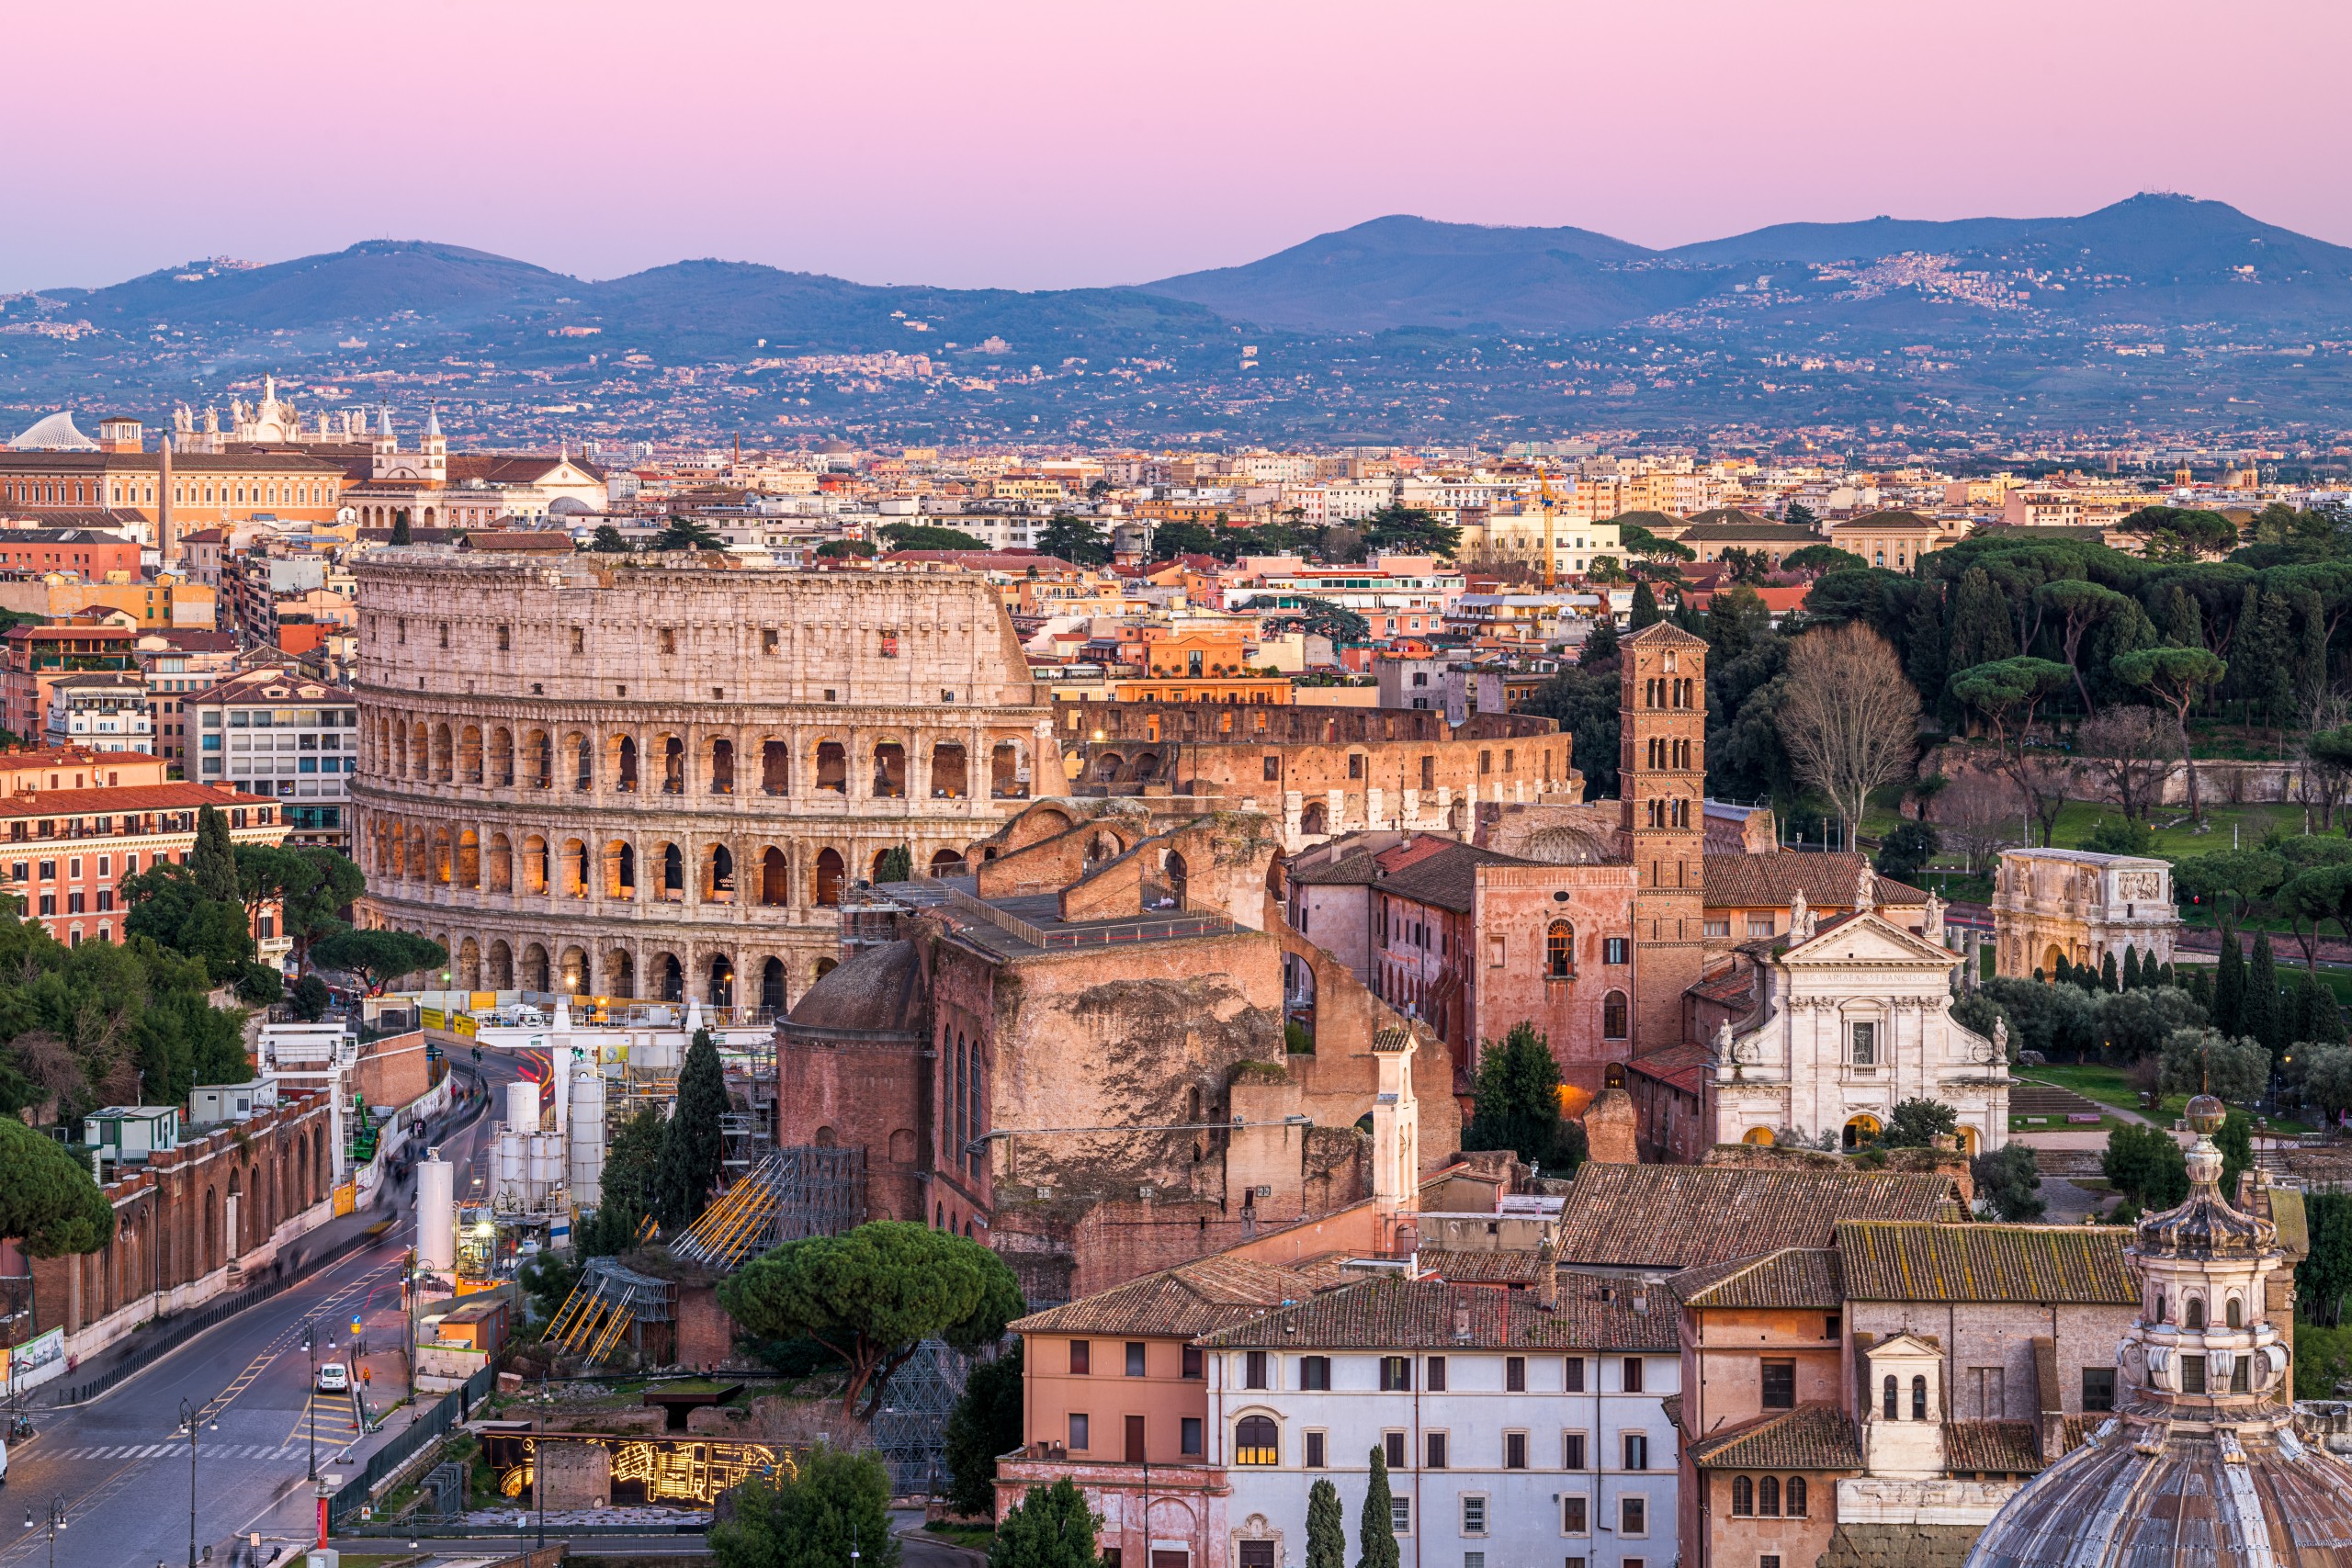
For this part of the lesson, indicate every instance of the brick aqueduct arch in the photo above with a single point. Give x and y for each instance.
(659, 783)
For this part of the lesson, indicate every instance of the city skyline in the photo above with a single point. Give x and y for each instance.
(917, 144)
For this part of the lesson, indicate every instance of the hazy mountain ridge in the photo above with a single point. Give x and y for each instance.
(2163, 310)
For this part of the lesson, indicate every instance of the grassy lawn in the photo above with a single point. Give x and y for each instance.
(977, 1537)
(2111, 1087)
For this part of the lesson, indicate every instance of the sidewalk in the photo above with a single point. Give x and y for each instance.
(307, 1254)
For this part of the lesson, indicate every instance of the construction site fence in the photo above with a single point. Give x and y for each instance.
(429, 1426)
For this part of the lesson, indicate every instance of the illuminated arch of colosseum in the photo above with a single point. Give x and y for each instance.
(658, 781)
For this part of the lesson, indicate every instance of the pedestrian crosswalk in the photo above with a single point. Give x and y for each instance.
(209, 1452)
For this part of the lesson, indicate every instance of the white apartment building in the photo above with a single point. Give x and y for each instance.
(271, 733)
(1520, 1427)
(105, 711)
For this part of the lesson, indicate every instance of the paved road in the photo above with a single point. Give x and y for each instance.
(124, 1472)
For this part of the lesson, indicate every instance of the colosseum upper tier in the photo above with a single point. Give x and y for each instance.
(656, 780)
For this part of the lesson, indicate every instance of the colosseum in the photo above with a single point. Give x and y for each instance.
(657, 780)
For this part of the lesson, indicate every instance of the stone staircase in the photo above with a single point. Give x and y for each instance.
(2030, 1098)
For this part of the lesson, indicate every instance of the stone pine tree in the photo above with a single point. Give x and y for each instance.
(692, 1146)
(1326, 1527)
(213, 859)
(2258, 1013)
(1375, 1527)
(2229, 985)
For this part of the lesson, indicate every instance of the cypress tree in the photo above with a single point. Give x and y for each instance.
(2168, 978)
(400, 527)
(1376, 1529)
(2107, 980)
(1645, 610)
(2064, 974)
(2229, 987)
(2322, 1021)
(2130, 968)
(213, 859)
(2182, 626)
(1980, 629)
(1923, 642)
(2258, 1013)
(692, 1145)
(1326, 1527)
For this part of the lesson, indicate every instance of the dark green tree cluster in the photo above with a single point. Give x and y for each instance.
(2146, 1166)
(985, 1422)
(812, 1514)
(1050, 1527)
(107, 1024)
(871, 1294)
(1516, 1104)
(927, 536)
(1917, 1124)
(2009, 1182)
(49, 1200)
(2323, 1278)
(377, 958)
(1078, 540)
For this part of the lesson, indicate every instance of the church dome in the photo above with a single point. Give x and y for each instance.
(2201, 1465)
(879, 992)
(58, 432)
(569, 506)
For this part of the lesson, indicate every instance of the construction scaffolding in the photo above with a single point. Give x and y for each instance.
(910, 1431)
(609, 1301)
(788, 1195)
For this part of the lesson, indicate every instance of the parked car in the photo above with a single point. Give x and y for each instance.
(334, 1377)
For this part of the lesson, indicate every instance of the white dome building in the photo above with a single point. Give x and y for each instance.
(2201, 1465)
(57, 432)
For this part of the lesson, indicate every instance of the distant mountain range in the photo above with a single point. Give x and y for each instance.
(1393, 327)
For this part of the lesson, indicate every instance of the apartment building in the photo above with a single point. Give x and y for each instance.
(273, 735)
(1518, 1425)
(68, 847)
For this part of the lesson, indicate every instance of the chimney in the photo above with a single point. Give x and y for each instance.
(1461, 1321)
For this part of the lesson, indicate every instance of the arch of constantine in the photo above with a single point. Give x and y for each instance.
(2080, 905)
(657, 780)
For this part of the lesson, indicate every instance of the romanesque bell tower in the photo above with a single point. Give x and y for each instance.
(1662, 773)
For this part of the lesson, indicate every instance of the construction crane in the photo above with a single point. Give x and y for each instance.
(1543, 489)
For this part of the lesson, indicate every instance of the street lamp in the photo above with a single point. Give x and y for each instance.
(191, 1416)
(56, 1523)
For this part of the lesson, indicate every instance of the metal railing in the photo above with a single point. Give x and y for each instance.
(428, 1426)
(1163, 929)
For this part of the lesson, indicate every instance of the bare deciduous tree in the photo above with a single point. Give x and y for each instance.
(1980, 815)
(2132, 752)
(1849, 718)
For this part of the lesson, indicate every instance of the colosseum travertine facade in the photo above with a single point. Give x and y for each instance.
(656, 780)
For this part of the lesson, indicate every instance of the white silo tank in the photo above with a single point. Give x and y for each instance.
(547, 1166)
(523, 1106)
(507, 1156)
(437, 1215)
(587, 1163)
(559, 1063)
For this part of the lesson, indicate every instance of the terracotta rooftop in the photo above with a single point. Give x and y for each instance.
(1417, 1314)
(1189, 1300)
(2001, 1448)
(1679, 1217)
(1794, 1277)
(1507, 1266)
(123, 798)
(1681, 1065)
(1827, 881)
(1913, 1262)
(1811, 1437)
(1447, 879)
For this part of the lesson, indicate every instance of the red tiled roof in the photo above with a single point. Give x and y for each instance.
(1827, 881)
(1188, 1300)
(1914, 1262)
(1678, 1216)
(1680, 1065)
(1794, 1277)
(2003, 1448)
(124, 798)
(1510, 1265)
(1409, 1315)
(1811, 1437)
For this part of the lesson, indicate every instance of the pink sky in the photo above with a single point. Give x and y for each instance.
(1036, 143)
